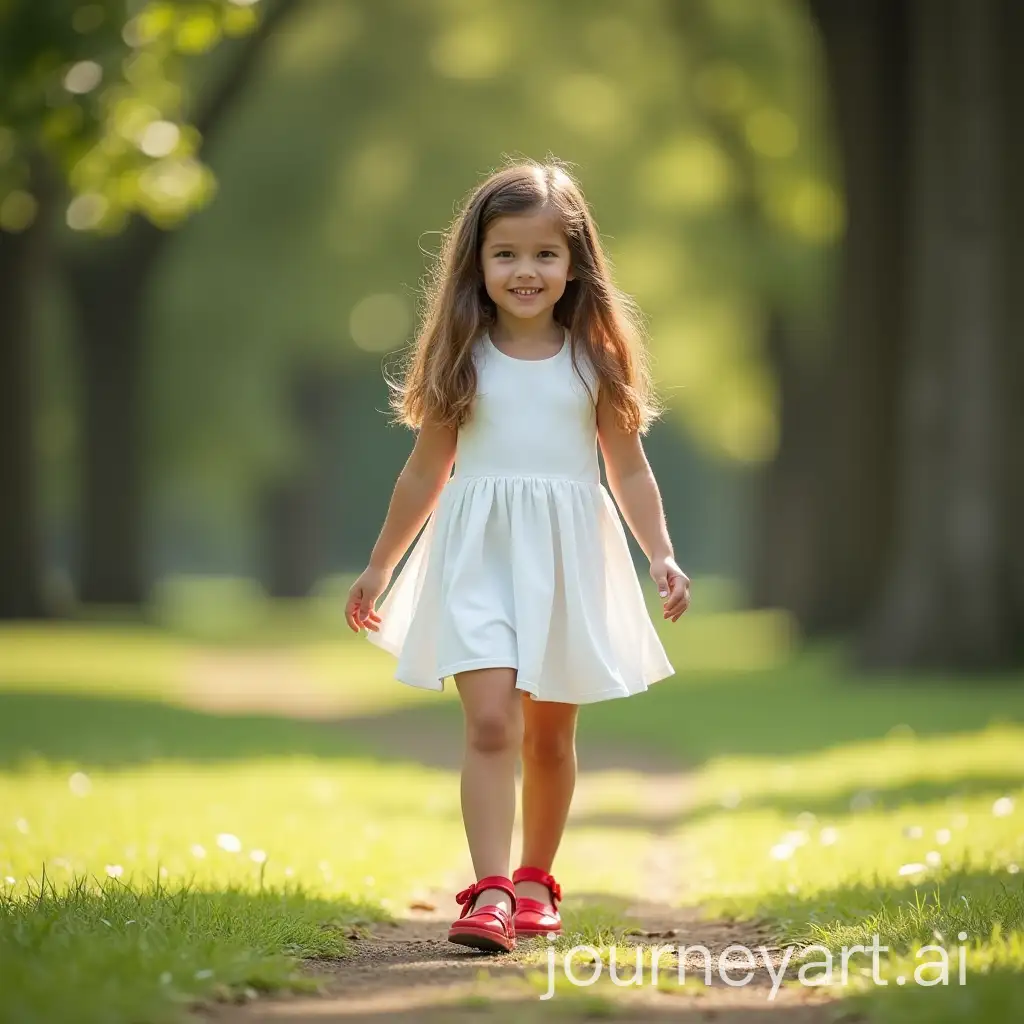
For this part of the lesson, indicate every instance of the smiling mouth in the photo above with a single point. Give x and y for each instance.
(525, 292)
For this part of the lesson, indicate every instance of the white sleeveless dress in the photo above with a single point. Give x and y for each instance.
(524, 562)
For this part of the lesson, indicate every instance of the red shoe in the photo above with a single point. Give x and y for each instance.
(488, 927)
(532, 917)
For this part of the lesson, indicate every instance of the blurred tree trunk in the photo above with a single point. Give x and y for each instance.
(789, 522)
(1011, 372)
(294, 508)
(850, 478)
(944, 600)
(109, 281)
(20, 576)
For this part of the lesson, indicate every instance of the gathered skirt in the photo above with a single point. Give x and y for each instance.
(530, 573)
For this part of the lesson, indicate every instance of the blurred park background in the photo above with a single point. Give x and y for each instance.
(215, 218)
(214, 221)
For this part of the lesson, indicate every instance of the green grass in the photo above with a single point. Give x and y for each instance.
(87, 950)
(236, 842)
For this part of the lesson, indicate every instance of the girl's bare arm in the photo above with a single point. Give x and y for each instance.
(415, 494)
(632, 483)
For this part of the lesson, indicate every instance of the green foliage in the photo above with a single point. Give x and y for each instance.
(101, 95)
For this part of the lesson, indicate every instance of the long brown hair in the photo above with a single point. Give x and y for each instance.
(439, 379)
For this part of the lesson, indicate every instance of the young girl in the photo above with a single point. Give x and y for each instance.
(522, 586)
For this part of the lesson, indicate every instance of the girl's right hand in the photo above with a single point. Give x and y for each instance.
(359, 610)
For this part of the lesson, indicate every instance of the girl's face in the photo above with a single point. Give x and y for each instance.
(525, 261)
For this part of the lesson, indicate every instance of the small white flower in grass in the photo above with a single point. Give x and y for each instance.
(792, 889)
(198, 851)
(911, 869)
(115, 870)
(782, 851)
(288, 872)
(933, 858)
(163, 872)
(80, 784)
(943, 836)
(259, 856)
(10, 879)
(22, 826)
(1012, 868)
(202, 975)
(795, 838)
(913, 831)
(828, 836)
(1003, 807)
(230, 843)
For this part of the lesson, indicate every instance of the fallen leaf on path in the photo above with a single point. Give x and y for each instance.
(422, 905)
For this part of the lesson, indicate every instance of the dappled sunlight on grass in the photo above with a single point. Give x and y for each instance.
(332, 826)
(791, 791)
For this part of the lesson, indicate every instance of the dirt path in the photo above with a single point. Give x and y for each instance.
(407, 971)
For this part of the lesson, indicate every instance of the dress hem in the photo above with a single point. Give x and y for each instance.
(525, 685)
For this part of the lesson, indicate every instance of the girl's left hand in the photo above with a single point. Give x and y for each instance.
(673, 586)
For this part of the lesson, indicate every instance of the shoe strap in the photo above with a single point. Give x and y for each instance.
(469, 894)
(531, 874)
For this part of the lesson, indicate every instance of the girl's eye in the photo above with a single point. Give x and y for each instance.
(503, 253)
(547, 252)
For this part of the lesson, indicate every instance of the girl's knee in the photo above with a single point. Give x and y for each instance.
(491, 732)
(549, 749)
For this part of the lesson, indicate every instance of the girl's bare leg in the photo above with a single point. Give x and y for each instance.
(494, 729)
(549, 778)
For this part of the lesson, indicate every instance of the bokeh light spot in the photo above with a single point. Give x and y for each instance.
(160, 138)
(86, 211)
(690, 172)
(470, 50)
(771, 133)
(83, 77)
(650, 265)
(380, 322)
(379, 173)
(589, 103)
(197, 33)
